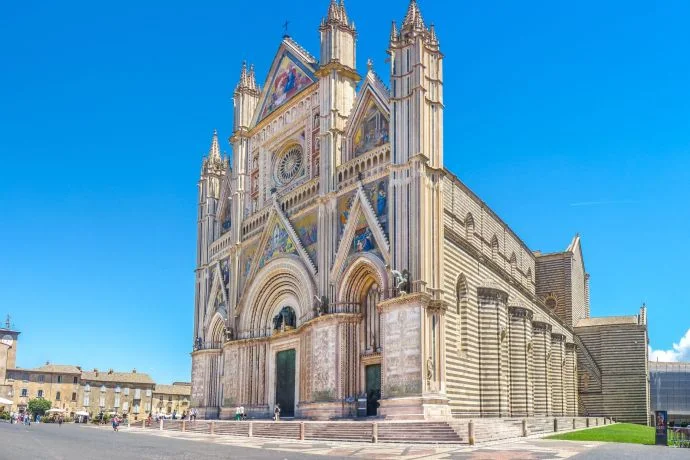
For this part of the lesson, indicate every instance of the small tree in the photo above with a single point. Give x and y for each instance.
(39, 406)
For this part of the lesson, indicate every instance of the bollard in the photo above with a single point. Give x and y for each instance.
(143, 423)
(213, 427)
(470, 432)
(161, 428)
(251, 429)
(555, 425)
(596, 421)
(301, 431)
(574, 424)
(129, 423)
(375, 432)
(184, 427)
(524, 428)
(587, 422)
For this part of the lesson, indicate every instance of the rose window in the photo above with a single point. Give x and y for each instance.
(289, 165)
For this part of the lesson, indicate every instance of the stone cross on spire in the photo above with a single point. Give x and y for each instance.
(7, 321)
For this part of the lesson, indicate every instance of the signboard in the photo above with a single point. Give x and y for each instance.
(661, 425)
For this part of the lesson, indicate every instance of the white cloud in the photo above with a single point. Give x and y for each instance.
(680, 351)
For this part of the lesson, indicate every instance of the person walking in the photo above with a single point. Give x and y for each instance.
(60, 420)
(115, 422)
(276, 413)
(243, 414)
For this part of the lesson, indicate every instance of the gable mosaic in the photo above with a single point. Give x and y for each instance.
(290, 78)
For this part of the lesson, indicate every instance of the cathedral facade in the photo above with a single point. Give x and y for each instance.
(338, 258)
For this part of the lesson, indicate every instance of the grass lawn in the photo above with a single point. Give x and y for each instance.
(619, 432)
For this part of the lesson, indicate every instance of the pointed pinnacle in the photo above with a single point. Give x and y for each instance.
(394, 32)
(214, 150)
(413, 18)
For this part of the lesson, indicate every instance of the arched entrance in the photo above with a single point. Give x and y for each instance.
(364, 285)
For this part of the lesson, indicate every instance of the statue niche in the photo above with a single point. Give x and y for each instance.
(285, 320)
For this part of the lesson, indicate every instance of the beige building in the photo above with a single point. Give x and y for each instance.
(121, 392)
(172, 398)
(57, 383)
(73, 389)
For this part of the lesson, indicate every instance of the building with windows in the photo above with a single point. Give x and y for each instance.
(56, 382)
(121, 392)
(73, 389)
(169, 399)
(339, 257)
(670, 391)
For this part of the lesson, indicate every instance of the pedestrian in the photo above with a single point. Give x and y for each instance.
(194, 414)
(276, 413)
(243, 414)
(174, 414)
(238, 413)
(115, 422)
(27, 420)
(60, 420)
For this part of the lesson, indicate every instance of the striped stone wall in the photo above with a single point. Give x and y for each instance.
(541, 340)
(521, 378)
(619, 348)
(494, 364)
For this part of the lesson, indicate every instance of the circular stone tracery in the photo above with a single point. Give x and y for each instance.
(289, 165)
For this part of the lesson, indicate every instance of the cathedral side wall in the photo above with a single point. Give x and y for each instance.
(620, 351)
(459, 202)
(553, 281)
(578, 296)
(463, 347)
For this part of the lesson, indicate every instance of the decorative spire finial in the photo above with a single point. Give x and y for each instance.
(7, 321)
(370, 64)
(394, 32)
(413, 18)
(214, 150)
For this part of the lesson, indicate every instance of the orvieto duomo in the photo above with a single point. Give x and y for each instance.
(337, 258)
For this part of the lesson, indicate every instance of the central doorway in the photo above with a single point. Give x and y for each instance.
(285, 382)
(373, 388)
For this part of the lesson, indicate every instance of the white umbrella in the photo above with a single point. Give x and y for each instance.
(81, 413)
(5, 401)
(55, 411)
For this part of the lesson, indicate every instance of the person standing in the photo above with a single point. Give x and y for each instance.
(276, 413)
(60, 420)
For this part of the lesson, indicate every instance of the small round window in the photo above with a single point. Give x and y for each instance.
(289, 165)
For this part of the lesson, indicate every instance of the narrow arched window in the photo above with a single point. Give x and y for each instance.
(469, 228)
(461, 299)
(372, 326)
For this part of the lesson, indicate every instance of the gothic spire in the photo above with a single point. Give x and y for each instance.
(214, 150)
(337, 15)
(394, 32)
(252, 77)
(413, 18)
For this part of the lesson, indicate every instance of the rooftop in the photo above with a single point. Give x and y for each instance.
(117, 377)
(182, 390)
(607, 321)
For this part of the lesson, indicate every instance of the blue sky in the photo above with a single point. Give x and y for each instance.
(565, 117)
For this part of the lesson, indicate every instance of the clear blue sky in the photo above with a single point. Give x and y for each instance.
(563, 116)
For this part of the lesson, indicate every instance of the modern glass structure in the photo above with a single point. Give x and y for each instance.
(669, 390)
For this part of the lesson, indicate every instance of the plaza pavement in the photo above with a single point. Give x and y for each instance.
(89, 442)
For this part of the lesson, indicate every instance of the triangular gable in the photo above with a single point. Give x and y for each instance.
(216, 288)
(368, 124)
(362, 233)
(278, 239)
(291, 72)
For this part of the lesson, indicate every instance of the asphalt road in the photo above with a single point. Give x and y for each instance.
(72, 441)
